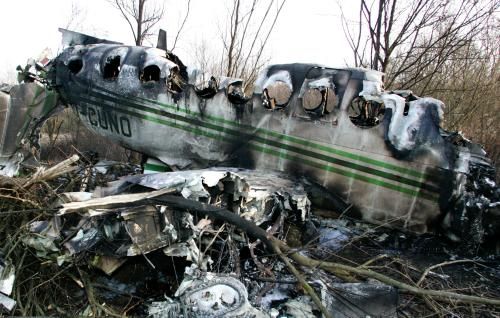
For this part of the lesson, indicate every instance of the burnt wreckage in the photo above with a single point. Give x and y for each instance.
(381, 153)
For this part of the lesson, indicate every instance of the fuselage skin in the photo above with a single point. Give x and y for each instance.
(387, 182)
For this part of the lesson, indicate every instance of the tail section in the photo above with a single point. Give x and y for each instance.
(23, 110)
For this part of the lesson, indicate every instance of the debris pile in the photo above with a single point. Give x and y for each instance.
(89, 237)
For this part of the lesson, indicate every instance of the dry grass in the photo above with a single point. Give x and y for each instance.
(65, 134)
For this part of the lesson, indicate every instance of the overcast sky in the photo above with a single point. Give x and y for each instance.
(307, 31)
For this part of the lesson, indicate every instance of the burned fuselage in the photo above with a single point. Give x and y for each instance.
(384, 152)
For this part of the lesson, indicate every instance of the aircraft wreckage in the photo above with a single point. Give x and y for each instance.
(382, 153)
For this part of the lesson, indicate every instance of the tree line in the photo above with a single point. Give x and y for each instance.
(447, 49)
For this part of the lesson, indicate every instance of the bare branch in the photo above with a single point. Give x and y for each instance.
(245, 29)
(182, 25)
(353, 43)
(122, 7)
(261, 49)
(243, 68)
(140, 17)
(76, 17)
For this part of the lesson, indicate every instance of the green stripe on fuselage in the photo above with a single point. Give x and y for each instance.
(156, 167)
(233, 138)
(303, 142)
(196, 121)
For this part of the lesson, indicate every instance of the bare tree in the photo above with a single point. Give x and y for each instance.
(468, 84)
(141, 16)
(445, 48)
(76, 18)
(204, 61)
(396, 36)
(52, 127)
(245, 37)
(181, 26)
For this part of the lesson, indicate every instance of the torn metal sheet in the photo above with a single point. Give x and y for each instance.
(334, 234)
(144, 226)
(43, 237)
(125, 231)
(83, 240)
(297, 308)
(417, 127)
(75, 196)
(155, 166)
(342, 300)
(106, 202)
(75, 38)
(254, 193)
(206, 294)
(6, 303)
(165, 309)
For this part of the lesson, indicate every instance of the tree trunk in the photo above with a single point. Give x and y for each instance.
(139, 39)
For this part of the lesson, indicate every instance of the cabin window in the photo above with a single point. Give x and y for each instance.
(207, 90)
(276, 95)
(75, 65)
(236, 94)
(150, 73)
(331, 100)
(319, 100)
(366, 113)
(312, 99)
(111, 67)
(175, 83)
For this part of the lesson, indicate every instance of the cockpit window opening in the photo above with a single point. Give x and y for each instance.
(207, 90)
(150, 73)
(112, 67)
(366, 113)
(313, 98)
(236, 93)
(75, 65)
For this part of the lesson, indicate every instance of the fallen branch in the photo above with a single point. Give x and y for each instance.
(52, 172)
(25, 201)
(111, 202)
(334, 267)
(428, 270)
(91, 298)
(302, 281)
